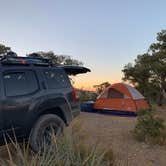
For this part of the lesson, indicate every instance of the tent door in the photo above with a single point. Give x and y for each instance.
(115, 100)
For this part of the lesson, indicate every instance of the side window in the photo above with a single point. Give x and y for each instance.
(56, 79)
(114, 94)
(20, 83)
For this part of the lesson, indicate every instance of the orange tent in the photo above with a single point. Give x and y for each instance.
(121, 97)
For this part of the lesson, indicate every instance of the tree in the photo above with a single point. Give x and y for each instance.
(148, 73)
(56, 59)
(101, 87)
(4, 49)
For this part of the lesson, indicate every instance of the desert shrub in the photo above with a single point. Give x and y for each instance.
(85, 95)
(68, 150)
(150, 128)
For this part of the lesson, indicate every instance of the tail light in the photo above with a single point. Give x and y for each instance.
(74, 94)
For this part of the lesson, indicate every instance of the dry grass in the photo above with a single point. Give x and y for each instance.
(67, 150)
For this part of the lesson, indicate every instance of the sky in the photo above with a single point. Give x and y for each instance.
(103, 34)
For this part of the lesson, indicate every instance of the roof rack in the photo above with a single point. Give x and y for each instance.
(14, 60)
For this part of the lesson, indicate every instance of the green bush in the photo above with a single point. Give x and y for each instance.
(86, 95)
(149, 127)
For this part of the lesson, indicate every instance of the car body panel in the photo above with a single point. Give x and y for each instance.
(19, 113)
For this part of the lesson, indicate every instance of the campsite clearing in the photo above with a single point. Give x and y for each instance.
(114, 132)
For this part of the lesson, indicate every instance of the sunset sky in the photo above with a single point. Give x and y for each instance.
(104, 34)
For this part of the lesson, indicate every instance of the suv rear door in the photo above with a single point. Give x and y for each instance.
(58, 84)
(19, 88)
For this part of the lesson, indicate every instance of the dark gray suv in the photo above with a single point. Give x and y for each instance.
(34, 96)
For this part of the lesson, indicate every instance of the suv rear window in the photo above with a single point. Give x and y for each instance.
(20, 83)
(56, 78)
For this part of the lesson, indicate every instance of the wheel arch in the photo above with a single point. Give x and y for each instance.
(56, 111)
(58, 106)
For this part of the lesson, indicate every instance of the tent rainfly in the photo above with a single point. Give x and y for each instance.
(121, 97)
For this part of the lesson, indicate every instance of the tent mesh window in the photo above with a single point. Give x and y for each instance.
(114, 94)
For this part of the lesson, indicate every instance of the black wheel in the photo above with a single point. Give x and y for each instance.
(46, 127)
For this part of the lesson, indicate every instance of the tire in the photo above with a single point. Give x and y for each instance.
(38, 139)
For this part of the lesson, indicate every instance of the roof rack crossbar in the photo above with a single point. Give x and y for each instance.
(25, 61)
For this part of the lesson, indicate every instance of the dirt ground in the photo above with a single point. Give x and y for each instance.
(114, 132)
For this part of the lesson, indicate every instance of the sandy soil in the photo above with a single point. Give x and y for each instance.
(114, 132)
